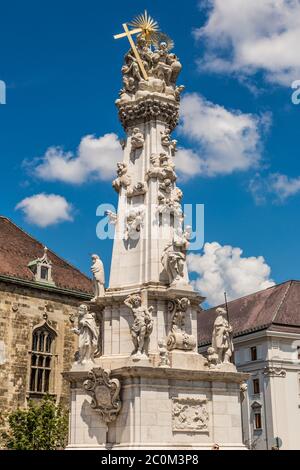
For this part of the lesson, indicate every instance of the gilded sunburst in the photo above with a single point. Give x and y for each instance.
(147, 24)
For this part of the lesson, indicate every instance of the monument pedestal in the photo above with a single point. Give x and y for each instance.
(162, 408)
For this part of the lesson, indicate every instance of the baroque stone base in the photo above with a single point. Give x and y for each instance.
(162, 408)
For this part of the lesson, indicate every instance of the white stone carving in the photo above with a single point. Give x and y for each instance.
(137, 139)
(134, 222)
(88, 333)
(166, 141)
(123, 179)
(222, 337)
(112, 216)
(161, 66)
(178, 338)
(132, 113)
(139, 189)
(173, 261)
(189, 415)
(274, 372)
(162, 167)
(142, 326)
(182, 238)
(97, 269)
(212, 358)
(105, 393)
(164, 360)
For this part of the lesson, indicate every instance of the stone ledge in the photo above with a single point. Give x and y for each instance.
(161, 373)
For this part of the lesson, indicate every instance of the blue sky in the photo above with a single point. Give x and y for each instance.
(62, 66)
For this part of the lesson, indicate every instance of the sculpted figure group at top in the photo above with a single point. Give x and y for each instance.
(162, 67)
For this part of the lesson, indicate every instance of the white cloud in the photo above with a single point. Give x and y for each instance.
(223, 141)
(223, 269)
(96, 158)
(280, 186)
(246, 36)
(45, 209)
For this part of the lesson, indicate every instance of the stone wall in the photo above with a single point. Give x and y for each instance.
(21, 310)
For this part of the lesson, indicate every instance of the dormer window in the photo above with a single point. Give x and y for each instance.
(42, 268)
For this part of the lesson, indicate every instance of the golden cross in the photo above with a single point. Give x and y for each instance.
(128, 33)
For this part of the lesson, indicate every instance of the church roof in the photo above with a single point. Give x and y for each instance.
(275, 308)
(18, 249)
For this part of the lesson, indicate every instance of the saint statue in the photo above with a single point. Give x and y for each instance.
(173, 260)
(142, 325)
(97, 269)
(222, 337)
(88, 333)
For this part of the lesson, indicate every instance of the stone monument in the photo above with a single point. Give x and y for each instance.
(148, 388)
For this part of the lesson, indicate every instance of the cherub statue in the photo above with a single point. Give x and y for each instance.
(212, 358)
(181, 238)
(222, 337)
(88, 333)
(163, 354)
(97, 269)
(112, 216)
(123, 179)
(137, 139)
(142, 325)
(134, 223)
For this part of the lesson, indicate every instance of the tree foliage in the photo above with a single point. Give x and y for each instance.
(42, 426)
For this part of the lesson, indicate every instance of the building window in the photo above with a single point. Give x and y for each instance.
(256, 387)
(253, 352)
(257, 421)
(42, 268)
(41, 360)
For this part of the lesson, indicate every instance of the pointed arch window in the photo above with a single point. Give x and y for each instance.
(41, 364)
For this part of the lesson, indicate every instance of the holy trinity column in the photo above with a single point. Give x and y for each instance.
(150, 242)
(138, 381)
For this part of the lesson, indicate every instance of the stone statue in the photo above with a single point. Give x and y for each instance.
(139, 189)
(97, 269)
(112, 216)
(137, 139)
(123, 179)
(166, 141)
(162, 68)
(134, 222)
(178, 337)
(88, 333)
(182, 238)
(222, 337)
(173, 262)
(212, 358)
(142, 325)
(164, 360)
